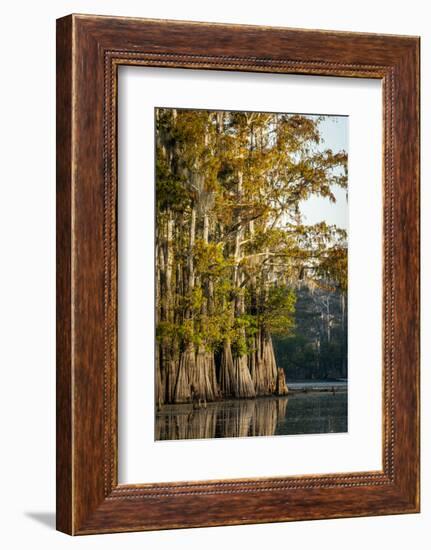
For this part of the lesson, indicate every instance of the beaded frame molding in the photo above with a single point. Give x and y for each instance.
(89, 51)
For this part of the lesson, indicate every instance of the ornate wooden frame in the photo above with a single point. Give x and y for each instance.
(89, 51)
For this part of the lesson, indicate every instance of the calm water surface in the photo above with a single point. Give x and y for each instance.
(300, 413)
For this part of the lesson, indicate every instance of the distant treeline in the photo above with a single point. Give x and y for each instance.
(317, 348)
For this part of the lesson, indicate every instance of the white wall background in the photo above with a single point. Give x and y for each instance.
(27, 287)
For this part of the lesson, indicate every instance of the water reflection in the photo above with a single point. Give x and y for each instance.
(301, 413)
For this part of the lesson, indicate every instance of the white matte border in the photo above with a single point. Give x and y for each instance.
(143, 460)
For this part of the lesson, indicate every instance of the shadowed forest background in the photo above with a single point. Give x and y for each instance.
(247, 294)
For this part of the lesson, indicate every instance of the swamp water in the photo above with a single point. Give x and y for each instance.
(310, 412)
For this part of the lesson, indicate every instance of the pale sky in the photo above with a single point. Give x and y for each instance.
(334, 131)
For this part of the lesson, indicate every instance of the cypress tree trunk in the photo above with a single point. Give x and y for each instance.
(186, 365)
(227, 374)
(264, 363)
(203, 375)
(281, 383)
(269, 363)
(205, 381)
(171, 361)
(244, 386)
(160, 386)
(160, 398)
(187, 358)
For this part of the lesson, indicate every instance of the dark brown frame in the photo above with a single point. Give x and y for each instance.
(89, 50)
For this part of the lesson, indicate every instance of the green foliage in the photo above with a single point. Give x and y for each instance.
(171, 193)
(279, 309)
(209, 259)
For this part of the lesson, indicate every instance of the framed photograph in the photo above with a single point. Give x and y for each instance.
(237, 274)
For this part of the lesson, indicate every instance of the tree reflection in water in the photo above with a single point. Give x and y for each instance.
(307, 413)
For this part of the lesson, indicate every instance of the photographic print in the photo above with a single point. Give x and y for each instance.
(251, 246)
